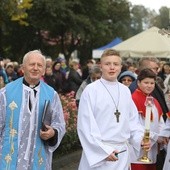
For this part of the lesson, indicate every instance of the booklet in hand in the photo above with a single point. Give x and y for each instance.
(46, 116)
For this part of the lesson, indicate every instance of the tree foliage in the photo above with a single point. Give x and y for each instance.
(163, 19)
(64, 26)
(12, 15)
(139, 15)
(19, 13)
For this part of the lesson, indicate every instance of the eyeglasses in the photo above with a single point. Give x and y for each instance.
(129, 80)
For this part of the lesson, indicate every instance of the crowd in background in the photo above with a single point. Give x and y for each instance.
(65, 77)
(61, 76)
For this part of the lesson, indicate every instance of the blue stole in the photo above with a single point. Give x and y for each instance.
(14, 92)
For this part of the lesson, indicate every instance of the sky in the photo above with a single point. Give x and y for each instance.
(152, 4)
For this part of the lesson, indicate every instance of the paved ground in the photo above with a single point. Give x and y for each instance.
(68, 162)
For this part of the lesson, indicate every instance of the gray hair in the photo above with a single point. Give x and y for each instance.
(143, 62)
(95, 69)
(26, 56)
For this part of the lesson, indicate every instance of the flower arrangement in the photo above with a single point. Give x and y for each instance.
(70, 142)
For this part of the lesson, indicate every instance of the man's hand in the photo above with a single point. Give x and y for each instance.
(49, 133)
(112, 156)
(163, 140)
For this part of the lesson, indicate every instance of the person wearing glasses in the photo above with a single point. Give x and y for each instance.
(126, 78)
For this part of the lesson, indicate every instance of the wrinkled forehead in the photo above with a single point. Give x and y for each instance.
(34, 58)
(32, 55)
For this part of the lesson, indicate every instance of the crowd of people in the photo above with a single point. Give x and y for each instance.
(111, 120)
(111, 100)
(58, 74)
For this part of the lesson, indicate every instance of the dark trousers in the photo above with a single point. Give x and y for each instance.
(160, 159)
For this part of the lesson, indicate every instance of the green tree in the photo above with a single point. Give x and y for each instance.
(70, 24)
(139, 16)
(64, 26)
(11, 11)
(163, 20)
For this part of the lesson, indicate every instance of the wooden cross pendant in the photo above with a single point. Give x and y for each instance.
(117, 114)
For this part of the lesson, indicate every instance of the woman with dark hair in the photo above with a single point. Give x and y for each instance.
(165, 71)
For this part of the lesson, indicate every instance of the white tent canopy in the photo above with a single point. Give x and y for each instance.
(148, 42)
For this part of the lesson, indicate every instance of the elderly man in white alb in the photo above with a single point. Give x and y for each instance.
(108, 120)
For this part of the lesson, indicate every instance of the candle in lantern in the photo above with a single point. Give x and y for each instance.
(148, 104)
(148, 117)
